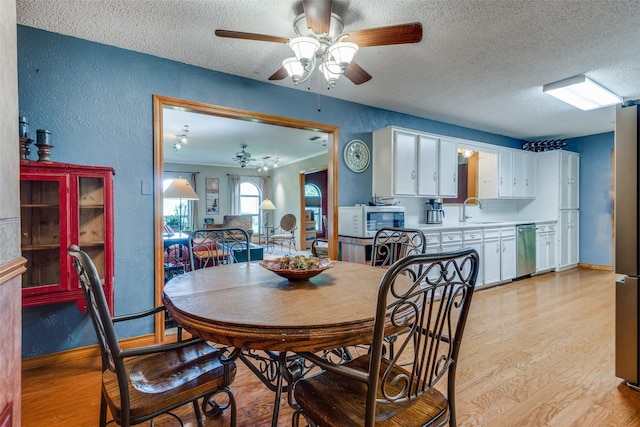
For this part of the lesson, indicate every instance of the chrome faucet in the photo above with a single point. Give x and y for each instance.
(463, 214)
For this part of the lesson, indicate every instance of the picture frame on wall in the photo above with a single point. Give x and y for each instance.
(213, 195)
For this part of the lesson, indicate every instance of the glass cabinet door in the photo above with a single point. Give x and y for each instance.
(43, 233)
(91, 220)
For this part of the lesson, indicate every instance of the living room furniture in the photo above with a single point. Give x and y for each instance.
(214, 247)
(63, 204)
(239, 221)
(141, 383)
(399, 389)
(285, 233)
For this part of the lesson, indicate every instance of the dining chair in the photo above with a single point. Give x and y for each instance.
(217, 246)
(400, 391)
(285, 233)
(320, 248)
(390, 244)
(139, 384)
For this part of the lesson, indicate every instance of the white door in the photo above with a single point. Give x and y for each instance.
(427, 166)
(505, 178)
(508, 260)
(518, 171)
(478, 246)
(530, 175)
(542, 253)
(568, 238)
(551, 246)
(491, 252)
(448, 168)
(404, 164)
(569, 169)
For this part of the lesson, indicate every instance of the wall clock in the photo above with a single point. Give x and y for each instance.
(356, 155)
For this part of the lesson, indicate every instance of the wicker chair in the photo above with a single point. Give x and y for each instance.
(400, 391)
(285, 233)
(139, 384)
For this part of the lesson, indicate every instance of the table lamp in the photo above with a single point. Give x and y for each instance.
(267, 206)
(182, 190)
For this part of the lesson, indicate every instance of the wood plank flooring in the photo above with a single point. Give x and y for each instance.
(537, 352)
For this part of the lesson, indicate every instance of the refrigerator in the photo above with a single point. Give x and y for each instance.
(627, 240)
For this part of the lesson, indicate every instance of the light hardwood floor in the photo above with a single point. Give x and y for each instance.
(537, 352)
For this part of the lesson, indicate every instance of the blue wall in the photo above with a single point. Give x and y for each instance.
(596, 192)
(97, 102)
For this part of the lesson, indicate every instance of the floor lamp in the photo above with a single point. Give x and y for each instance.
(182, 190)
(267, 206)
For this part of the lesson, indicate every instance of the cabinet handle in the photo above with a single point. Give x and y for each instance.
(500, 180)
(413, 174)
(514, 181)
(450, 237)
(454, 177)
(497, 247)
(472, 236)
(504, 247)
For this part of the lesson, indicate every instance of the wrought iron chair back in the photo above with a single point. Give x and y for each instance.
(218, 246)
(392, 244)
(431, 307)
(137, 389)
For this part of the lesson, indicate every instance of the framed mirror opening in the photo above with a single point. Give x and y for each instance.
(161, 104)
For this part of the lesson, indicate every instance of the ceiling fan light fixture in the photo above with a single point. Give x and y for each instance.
(305, 49)
(582, 92)
(343, 53)
(331, 73)
(295, 69)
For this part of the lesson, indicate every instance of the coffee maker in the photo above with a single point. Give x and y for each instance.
(433, 212)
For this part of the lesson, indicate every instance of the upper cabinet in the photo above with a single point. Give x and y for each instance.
(408, 163)
(569, 164)
(517, 174)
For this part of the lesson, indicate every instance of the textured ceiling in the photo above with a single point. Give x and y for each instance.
(480, 64)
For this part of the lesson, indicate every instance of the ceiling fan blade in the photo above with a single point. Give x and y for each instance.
(279, 75)
(318, 15)
(251, 36)
(357, 74)
(382, 36)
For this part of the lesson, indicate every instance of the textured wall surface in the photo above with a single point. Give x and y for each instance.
(10, 289)
(596, 197)
(97, 102)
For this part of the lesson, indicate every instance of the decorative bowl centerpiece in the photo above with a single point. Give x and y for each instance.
(297, 268)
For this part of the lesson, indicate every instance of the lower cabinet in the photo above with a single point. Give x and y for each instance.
(492, 253)
(545, 247)
(508, 256)
(568, 239)
(472, 239)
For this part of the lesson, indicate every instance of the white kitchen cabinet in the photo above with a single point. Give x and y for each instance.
(568, 239)
(508, 256)
(545, 247)
(451, 241)
(516, 174)
(408, 163)
(448, 168)
(524, 174)
(487, 175)
(505, 173)
(472, 239)
(492, 252)
(569, 172)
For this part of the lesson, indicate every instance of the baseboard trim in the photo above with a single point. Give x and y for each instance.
(596, 267)
(80, 353)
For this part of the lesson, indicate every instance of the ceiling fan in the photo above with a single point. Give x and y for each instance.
(321, 40)
(242, 157)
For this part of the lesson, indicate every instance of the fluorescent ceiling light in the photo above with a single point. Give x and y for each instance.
(582, 92)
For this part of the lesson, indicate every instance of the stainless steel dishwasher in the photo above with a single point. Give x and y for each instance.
(526, 249)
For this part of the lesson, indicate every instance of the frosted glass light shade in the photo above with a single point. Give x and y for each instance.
(582, 93)
(305, 49)
(343, 53)
(294, 68)
(331, 72)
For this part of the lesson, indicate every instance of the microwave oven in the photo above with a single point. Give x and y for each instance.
(364, 221)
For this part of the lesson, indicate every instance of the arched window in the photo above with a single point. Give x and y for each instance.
(249, 202)
(313, 202)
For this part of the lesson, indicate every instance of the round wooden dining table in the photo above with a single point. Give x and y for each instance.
(246, 306)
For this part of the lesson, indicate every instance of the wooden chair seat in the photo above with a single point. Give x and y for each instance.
(162, 380)
(334, 400)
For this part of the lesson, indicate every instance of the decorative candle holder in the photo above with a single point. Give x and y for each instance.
(24, 149)
(43, 142)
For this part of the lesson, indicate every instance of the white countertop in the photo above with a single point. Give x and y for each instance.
(472, 225)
